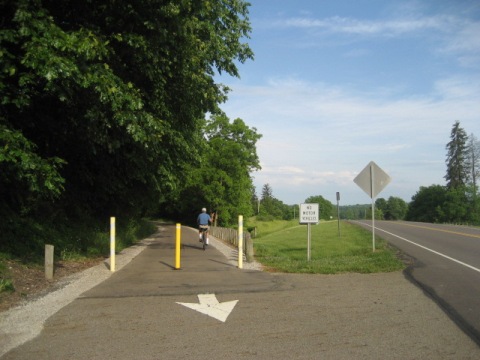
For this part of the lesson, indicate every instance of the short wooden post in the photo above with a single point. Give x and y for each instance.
(248, 247)
(49, 262)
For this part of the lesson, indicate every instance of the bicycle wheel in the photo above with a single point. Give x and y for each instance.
(204, 239)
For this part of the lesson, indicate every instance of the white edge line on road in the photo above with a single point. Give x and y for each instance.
(428, 249)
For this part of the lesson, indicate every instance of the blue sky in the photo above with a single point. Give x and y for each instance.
(337, 84)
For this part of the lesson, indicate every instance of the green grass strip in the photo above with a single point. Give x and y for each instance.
(282, 247)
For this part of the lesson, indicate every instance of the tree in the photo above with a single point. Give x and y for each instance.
(473, 157)
(353, 212)
(378, 213)
(266, 192)
(457, 158)
(396, 209)
(104, 103)
(255, 203)
(121, 83)
(221, 179)
(325, 207)
(427, 204)
(231, 158)
(455, 207)
(474, 162)
(381, 206)
(272, 208)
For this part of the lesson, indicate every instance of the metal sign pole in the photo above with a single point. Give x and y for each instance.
(372, 179)
(338, 212)
(309, 213)
(308, 240)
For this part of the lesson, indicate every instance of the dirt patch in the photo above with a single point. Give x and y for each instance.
(29, 280)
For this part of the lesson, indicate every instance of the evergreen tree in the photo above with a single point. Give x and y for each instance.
(457, 158)
(271, 208)
(266, 192)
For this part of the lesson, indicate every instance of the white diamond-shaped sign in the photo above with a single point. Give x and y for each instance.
(372, 179)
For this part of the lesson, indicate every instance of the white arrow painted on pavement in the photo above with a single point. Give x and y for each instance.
(210, 306)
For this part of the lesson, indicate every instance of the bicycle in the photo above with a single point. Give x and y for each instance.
(204, 230)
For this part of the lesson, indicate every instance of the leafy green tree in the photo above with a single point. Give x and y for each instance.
(396, 209)
(457, 158)
(104, 103)
(427, 204)
(455, 207)
(232, 157)
(24, 172)
(325, 207)
(378, 213)
(353, 212)
(381, 205)
(221, 180)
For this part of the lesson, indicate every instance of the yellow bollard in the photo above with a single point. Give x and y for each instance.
(112, 244)
(240, 241)
(177, 247)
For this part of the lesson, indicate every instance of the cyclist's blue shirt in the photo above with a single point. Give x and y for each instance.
(203, 219)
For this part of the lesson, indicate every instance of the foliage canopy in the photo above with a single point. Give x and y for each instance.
(104, 103)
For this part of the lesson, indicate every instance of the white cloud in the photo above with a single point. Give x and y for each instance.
(317, 138)
(450, 34)
(344, 25)
(283, 104)
(466, 39)
(387, 89)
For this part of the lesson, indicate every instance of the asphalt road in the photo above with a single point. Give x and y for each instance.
(446, 265)
(148, 310)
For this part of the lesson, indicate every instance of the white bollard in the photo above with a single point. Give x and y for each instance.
(240, 241)
(112, 244)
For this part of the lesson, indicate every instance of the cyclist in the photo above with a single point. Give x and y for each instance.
(203, 220)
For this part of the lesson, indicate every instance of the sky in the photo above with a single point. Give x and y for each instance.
(336, 84)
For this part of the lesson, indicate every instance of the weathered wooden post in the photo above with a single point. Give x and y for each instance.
(248, 247)
(49, 262)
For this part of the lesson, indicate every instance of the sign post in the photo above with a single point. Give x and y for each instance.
(309, 213)
(338, 212)
(372, 179)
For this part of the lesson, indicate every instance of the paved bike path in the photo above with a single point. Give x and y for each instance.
(135, 314)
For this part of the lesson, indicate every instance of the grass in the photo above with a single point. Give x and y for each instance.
(6, 284)
(282, 246)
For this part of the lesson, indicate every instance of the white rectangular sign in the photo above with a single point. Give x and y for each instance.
(309, 213)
